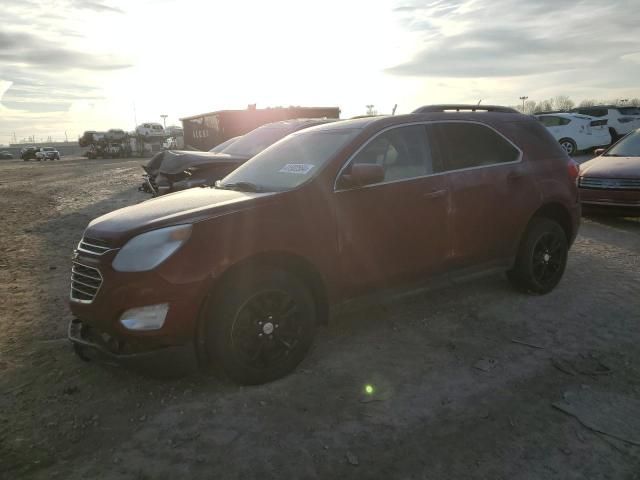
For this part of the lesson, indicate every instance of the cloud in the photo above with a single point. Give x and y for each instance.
(96, 6)
(31, 51)
(510, 38)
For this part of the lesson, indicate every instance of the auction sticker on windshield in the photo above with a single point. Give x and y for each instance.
(297, 168)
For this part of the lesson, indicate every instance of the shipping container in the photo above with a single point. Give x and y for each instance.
(205, 131)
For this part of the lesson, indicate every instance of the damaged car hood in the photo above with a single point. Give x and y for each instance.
(172, 162)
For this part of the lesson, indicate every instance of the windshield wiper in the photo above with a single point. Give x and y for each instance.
(240, 186)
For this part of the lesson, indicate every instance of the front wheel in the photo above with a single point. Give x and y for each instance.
(542, 257)
(569, 146)
(260, 326)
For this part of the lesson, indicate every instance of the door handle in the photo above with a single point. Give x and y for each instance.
(435, 194)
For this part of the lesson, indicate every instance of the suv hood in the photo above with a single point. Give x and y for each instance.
(188, 206)
(611, 167)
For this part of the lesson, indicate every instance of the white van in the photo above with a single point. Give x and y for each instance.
(150, 130)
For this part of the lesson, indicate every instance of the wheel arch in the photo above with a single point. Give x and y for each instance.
(295, 264)
(559, 213)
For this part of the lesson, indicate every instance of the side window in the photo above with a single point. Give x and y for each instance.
(548, 121)
(403, 152)
(563, 121)
(466, 145)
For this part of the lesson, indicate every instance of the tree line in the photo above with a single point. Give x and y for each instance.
(563, 103)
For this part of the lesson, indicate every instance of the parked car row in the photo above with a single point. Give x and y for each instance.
(585, 128)
(39, 153)
(237, 276)
(4, 155)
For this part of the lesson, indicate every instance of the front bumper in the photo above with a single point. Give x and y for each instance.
(91, 344)
(619, 202)
(97, 327)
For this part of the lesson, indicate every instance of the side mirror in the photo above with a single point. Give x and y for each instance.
(365, 174)
(599, 151)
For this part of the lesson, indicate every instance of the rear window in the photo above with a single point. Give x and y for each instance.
(467, 145)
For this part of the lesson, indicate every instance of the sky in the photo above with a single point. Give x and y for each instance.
(72, 65)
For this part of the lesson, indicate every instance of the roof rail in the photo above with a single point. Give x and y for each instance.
(465, 108)
(549, 112)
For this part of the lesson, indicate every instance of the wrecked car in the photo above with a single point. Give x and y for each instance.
(171, 171)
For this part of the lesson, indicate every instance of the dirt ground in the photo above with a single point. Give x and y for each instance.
(455, 395)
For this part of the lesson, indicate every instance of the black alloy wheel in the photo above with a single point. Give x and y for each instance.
(267, 329)
(542, 257)
(549, 257)
(259, 325)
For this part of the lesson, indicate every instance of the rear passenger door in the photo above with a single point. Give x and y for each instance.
(491, 191)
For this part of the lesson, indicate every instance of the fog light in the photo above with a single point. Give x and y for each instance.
(145, 318)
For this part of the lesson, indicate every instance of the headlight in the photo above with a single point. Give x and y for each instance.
(148, 250)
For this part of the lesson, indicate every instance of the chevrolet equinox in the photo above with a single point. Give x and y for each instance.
(237, 276)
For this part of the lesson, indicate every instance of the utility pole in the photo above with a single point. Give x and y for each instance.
(523, 98)
(164, 120)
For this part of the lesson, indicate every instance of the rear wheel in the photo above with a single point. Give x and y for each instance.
(542, 257)
(260, 327)
(569, 146)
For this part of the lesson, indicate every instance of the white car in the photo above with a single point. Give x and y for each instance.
(150, 130)
(576, 132)
(47, 153)
(621, 120)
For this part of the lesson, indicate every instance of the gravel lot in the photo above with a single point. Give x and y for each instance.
(454, 395)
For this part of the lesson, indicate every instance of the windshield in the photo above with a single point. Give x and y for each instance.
(48, 149)
(291, 162)
(223, 145)
(256, 141)
(629, 146)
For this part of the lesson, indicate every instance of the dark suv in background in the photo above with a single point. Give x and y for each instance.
(238, 276)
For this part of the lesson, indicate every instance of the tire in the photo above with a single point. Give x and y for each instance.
(260, 326)
(542, 257)
(568, 145)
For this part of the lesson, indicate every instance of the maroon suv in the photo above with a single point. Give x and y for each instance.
(238, 276)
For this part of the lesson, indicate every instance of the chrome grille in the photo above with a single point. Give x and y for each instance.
(93, 246)
(610, 183)
(85, 283)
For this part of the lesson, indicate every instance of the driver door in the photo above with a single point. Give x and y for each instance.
(396, 230)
